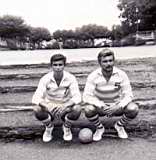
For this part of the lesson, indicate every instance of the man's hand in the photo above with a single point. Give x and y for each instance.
(59, 111)
(64, 108)
(111, 109)
(105, 107)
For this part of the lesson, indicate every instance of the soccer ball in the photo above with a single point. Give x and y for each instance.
(85, 135)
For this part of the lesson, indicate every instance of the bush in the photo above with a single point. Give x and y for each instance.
(11, 44)
(139, 42)
(70, 44)
(128, 41)
(54, 45)
(116, 43)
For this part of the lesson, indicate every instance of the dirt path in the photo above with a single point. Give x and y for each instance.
(107, 149)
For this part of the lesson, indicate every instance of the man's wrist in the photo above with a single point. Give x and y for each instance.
(69, 104)
(42, 104)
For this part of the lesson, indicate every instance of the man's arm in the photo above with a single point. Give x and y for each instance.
(88, 95)
(75, 92)
(38, 96)
(127, 94)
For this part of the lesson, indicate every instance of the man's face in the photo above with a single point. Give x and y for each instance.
(58, 66)
(107, 63)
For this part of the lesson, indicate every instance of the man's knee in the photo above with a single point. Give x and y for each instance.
(90, 110)
(41, 114)
(75, 112)
(131, 110)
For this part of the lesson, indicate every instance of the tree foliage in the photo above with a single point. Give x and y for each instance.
(12, 26)
(117, 32)
(39, 34)
(138, 14)
(93, 31)
(16, 32)
(85, 34)
(63, 35)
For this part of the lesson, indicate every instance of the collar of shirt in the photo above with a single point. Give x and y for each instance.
(63, 78)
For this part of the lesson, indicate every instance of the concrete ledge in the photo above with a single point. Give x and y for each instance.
(21, 124)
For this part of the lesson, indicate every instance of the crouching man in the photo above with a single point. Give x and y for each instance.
(57, 96)
(108, 93)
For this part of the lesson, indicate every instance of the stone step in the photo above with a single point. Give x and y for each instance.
(146, 104)
(142, 70)
(21, 97)
(21, 123)
(31, 85)
(18, 83)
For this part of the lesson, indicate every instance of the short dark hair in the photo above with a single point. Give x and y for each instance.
(104, 53)
(58, 57)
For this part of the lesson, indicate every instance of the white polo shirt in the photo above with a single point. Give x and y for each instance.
(98, 91)
(48, 90)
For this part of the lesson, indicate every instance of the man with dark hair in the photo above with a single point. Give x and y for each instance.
(58, 57)
(57, 96)
(108, 93)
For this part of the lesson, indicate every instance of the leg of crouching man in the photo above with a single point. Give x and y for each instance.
(129, 113)
(93, 116)
(69, 117)
(42, 114)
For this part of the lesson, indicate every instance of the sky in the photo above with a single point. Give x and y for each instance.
(63, 14)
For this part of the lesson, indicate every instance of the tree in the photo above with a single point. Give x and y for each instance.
(13, 30)
(117, 32)
(38, 35)
(12, 27)
(81, 37)
(63, 35)
(93, 31)
(138, 14)
(148, 18)
(58, 35)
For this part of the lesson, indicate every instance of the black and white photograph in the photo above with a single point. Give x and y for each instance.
(78, 80)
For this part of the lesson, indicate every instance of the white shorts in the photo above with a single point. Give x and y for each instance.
(51, 105)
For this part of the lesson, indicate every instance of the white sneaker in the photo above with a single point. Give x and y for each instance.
(97, 136)
(47, 135)
(121, 131)
(67, 136)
